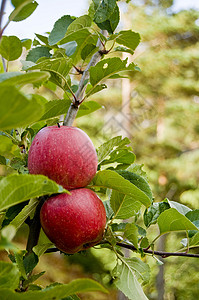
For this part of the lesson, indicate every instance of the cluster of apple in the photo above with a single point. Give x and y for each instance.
(65, 154)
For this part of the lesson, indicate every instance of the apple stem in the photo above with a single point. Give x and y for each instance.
(79, 95)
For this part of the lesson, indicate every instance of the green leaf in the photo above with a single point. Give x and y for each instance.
(193, 216)
(138, 181)
(114, 181)
(82, 37)
(38, 52)
(2, 160)
(194, 241)
(42, 38)
(56, 108)
(136, 168)
(40, 249)
(91, 91)
(19, 255)
(79, 23)
(24, 213)
(181, 208)
(9, 276)
(119, 226)
(19, 188)
(103, 10)
(32, 278)
(172, 220)
(69, 48)
(16, 109)
(10, 47)
(56, 292)
(108, 147)
(108, 67)
(123, 49)
(19, 78)
(26, 43)
(128, 38)
(23, 9)
(30, 261)
(111, 23)
(124, 206)
(59, 29)
(59, 66)
(131, 233)
(128, 274)
(153, 212)
(88, 50)
(87, 108)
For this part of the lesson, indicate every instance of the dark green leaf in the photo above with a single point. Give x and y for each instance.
(19, 188)
(138, 181)
(193, 216)
(88, 50)
(153, 212)
(16, 109)
(30, 262)
(10, 47)
(111, 23)
(59, 29)
(118, 226)
(38, 52)
(103, 10)
(2, 160)
(128, 38)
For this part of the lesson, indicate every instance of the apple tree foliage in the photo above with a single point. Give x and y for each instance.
(77, 56)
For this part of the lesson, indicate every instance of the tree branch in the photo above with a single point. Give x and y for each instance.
(163, 254)
(73, 109)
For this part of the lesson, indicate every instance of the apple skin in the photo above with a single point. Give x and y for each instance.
(74, 222)
(64, 154)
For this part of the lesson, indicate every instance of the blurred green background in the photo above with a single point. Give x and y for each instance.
(158, 109)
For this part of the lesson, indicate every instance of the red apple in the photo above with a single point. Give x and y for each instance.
(74, 222)
(64, 154)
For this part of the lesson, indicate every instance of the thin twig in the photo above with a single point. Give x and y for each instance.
(73, 109)
(3, 3)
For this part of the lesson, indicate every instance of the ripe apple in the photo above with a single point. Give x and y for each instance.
(74, 222)
(64, 154)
